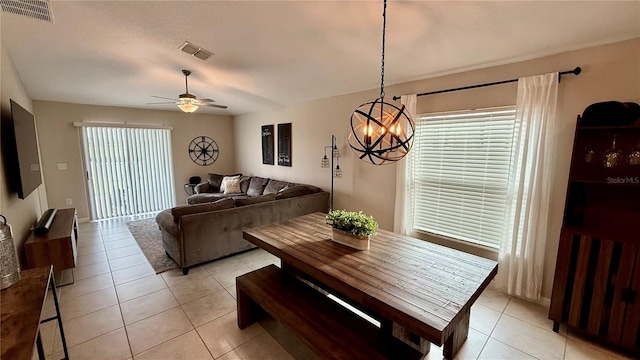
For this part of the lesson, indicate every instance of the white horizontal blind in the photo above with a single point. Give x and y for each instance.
(462, 173)
(130, 170)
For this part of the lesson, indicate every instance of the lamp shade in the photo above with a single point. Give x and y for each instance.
(188, 107)
(325, 162)
(381, 131)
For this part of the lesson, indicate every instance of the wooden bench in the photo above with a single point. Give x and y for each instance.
(329, 329)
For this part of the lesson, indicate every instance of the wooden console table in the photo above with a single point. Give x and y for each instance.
(420, 292)
(58, 246)
(21, 307)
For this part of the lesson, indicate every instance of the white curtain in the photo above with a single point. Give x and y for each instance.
(402, 217)
(521, 257)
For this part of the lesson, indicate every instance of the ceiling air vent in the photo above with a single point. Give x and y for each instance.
(35, 9)
(195, 50)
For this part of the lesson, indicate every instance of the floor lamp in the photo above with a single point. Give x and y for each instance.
(336, 172)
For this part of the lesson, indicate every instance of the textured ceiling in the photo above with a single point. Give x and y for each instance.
(270, 54)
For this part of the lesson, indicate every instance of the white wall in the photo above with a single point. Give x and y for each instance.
(60, 142)
(21, 214)
(610, 72)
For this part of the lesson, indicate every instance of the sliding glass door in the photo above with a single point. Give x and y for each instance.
(129, 170)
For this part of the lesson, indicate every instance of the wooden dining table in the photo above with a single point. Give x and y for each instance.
(420, 292)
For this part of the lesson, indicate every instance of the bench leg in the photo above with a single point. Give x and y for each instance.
(407, 337)
(455, 340)
(248, 311)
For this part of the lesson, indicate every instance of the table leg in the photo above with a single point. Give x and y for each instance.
(39, 346)
(458, 337)
(59, 316)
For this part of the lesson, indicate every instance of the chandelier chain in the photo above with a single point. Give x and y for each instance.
(384, 27)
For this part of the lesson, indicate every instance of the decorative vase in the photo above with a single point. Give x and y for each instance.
(9, 266)
(348, 239)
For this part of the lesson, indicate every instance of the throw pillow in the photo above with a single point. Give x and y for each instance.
(215, 181)
(248, 200)
(274, 186)
(180, 211)
(256, 186)
(226, 179)
(244, 184)
(232, 186)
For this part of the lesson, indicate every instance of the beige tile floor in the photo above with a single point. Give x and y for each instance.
(118, 308)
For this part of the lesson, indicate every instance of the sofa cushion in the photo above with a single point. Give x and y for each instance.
(297, 190)
(215, 181)
(256, 186)
(226, 179)
(232, 186)
(205, 198)
(274, 186)
(248, 200)
(180, 211)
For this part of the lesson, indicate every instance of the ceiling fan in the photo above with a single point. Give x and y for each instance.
(188, 102)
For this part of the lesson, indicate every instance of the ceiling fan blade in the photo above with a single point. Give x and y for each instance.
(206, 100)
(166, 102)
(215, 106)
(162, 97)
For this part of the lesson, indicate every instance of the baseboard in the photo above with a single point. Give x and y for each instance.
(83, 220)
(546, 302)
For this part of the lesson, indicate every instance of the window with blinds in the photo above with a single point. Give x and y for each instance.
(130, 170)
(462, 172)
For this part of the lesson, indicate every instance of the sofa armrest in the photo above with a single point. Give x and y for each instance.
(203, 187)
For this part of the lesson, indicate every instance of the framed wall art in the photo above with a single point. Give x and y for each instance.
(267, 144)
(284, 144)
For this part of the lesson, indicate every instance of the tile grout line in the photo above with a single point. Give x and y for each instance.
(534, 325)
(124, 326)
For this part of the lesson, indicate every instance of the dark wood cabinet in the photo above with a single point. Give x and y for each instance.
(58, 246)
(596, 288)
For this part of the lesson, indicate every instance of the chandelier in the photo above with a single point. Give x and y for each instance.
(381, 130)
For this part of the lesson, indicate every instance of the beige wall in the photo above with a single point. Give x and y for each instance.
(60, 142)
(21, 214)
(610, 72)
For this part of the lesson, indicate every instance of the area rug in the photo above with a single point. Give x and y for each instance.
(149, 238)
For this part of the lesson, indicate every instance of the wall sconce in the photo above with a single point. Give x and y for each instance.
(325, 163)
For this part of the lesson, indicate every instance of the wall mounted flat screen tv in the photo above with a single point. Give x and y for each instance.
(27, 174)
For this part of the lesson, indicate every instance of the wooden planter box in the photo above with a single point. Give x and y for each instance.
(348, 239)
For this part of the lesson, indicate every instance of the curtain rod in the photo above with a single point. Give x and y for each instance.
(121, 125)
(575, 71)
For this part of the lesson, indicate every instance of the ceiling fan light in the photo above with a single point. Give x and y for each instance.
(188, 107)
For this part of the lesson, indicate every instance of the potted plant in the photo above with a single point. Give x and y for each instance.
(352, 228)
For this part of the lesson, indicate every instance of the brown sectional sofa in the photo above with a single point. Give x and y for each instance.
(211, 226)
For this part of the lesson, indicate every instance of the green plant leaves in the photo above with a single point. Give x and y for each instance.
(353, 222)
